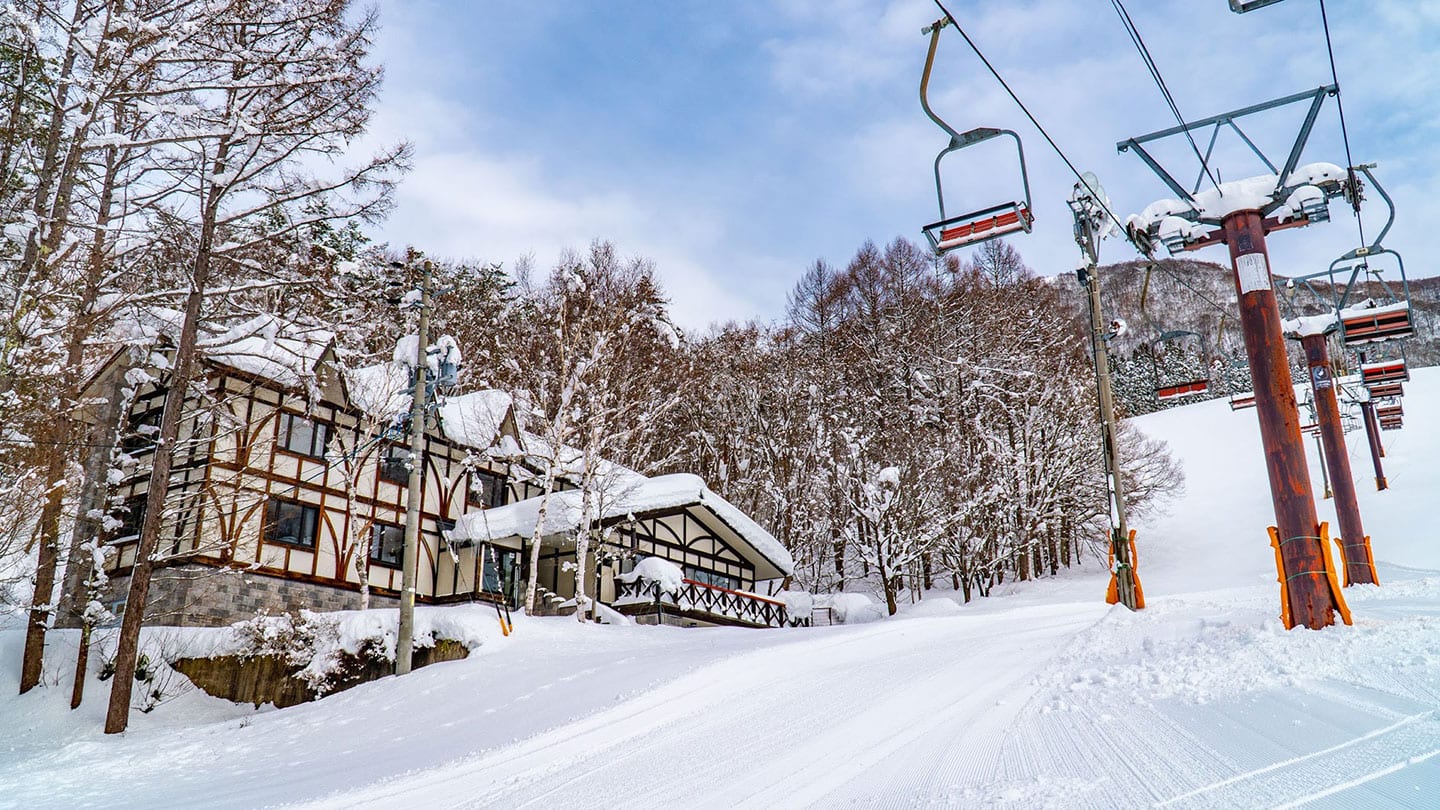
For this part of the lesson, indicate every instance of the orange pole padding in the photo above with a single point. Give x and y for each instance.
(1330, 574)
(1280, 577)
(1135, 574)
(1112, 591)
(1370, 558)
(1369, 562)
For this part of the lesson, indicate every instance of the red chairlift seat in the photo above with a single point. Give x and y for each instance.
(1310, 429)
(1392, 424)
(1383, 371)
(1184, 389)
(1390, 411)
(1243, 400)
(1366, 324)
(1386, 389)
(989, 223)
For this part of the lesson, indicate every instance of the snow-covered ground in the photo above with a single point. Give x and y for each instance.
(1042, 696)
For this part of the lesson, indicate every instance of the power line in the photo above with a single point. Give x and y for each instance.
(1139, 43)
(1344, 131)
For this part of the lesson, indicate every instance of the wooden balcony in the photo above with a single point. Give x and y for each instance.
(698, 603)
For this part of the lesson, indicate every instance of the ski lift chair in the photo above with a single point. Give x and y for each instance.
(1371, 309)
(1393, 423)
(1172, 386)
(952, 232)
(1383, 390)
(1384, 371)
(1310, 428)
(1242, 400)
(1393, 410)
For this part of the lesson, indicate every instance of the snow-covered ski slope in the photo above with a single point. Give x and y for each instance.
(1040, 697)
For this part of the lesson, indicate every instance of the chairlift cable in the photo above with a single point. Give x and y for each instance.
(1139, 43)
(1340, 106)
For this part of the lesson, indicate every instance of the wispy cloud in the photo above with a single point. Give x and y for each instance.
(736, 142)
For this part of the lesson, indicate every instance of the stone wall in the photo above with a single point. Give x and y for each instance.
(262, 679)
(202, 596)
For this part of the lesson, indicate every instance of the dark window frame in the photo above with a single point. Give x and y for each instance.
(132, 516)
(271, 528)
(708, 577)
(135, 441)
(490, 493)
(377, 531)
(285, 433)
(387, 464)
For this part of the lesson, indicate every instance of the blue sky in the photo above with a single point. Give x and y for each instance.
(736, 142)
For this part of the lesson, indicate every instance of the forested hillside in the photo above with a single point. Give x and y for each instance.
(1184, 295)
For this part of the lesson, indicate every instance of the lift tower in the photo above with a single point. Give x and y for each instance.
(1245, 211)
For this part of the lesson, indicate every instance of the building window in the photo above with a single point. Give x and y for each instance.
(132, 517)
(486, 490)
(302, 436)
(443, 528)
(395, 464)
(387, 545)
(141, 433)
(500, 575)
(711, 578)
(290, 523)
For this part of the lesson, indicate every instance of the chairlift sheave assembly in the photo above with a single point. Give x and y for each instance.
(952, 232)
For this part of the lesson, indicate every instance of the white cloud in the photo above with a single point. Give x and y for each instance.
(844, 151)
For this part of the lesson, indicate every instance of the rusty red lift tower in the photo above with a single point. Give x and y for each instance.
(1245, 211)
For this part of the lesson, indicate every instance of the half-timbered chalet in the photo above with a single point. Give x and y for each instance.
(289, 491)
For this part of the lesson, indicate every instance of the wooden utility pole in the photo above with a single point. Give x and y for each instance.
(1087, 203)
(415, 495)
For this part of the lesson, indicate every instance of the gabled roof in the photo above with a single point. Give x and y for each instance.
(478, 419)
(665, 493)
(270, 348)
(381, 391)
(266, 346)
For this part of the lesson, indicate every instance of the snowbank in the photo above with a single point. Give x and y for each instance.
(656, 571)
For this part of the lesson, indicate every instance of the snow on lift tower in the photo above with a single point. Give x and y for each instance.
(1371, 308)
(1170, 385)
(952, 232)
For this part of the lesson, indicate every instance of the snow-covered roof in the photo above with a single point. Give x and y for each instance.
(661, 493)
(475, 419)
(264, 345)
(271, 348)
(382, 390)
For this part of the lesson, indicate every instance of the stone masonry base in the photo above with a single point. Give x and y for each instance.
(202, 596)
